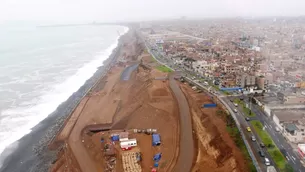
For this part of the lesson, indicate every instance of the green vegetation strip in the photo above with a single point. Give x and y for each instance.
(163, 68)
(246, 110)
(236, 136)
(272, 149)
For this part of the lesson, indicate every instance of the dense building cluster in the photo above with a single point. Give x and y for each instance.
(255, 55)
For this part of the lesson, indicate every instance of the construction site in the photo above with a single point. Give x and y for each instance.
(138, 118)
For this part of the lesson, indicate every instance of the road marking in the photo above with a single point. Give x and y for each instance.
(300, 170)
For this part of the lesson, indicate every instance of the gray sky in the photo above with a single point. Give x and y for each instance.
(118, 10)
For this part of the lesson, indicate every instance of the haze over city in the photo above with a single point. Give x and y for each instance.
(158, 85)
(137, 10)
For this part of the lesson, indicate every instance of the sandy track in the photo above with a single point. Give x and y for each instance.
(186, 154)
(72, 120)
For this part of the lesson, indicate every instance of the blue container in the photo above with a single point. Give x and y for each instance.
(156, 164)
(115, 138)
(156, 141)
(209, 105)
(157, 157)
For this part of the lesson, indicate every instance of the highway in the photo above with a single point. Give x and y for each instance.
(255, 146)
(291, 155)
(158, 56)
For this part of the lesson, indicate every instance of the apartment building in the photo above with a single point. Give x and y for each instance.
(245, 80)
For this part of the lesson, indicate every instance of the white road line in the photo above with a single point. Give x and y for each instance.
(300, 170)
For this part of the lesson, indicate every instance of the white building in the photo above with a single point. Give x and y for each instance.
(128, 143)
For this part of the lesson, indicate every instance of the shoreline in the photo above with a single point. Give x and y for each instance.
(32, 152)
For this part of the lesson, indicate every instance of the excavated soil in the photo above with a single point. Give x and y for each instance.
(141, 102)
(216, 150)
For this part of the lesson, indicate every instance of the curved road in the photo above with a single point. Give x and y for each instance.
(127, 72)
(186, 147)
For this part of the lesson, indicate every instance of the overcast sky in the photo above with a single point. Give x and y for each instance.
(120, 10)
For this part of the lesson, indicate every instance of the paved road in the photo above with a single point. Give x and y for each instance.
(127, 72)
(291, 155)
(186, 147)
(254, 145)
(170, 64)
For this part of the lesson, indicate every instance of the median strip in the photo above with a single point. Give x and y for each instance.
(246, 110)
(163, 68)
(272, 149)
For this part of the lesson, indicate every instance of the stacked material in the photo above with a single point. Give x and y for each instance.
(130, 163)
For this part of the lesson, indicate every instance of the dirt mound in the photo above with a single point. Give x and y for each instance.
(216, 150)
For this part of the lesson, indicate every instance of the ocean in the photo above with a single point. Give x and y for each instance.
(41, 67)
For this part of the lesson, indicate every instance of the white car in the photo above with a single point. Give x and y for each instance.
(267, 162)
(235, 110)
(235, 104)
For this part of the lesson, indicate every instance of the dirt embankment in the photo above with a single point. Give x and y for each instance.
(216, 150)
(140, 102)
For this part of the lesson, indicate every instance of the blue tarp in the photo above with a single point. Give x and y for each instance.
(115, 138)
(156, 164)
(157, 157)
(209, 105)
(156, 139)
(231, 89)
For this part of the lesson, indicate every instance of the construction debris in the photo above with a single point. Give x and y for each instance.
(130, 162)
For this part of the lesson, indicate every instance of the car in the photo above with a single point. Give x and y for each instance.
(249, 129)
(235, 104)
(262, 145)
(277, 129)
(231, 100)
(253, 138)
(235, 110)
(261, 153)
(267, 162)
(247, 119)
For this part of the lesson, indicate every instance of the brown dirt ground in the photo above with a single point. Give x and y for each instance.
(216, 150)
(141, 102)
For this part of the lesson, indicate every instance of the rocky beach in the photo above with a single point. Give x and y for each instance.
(31, 153)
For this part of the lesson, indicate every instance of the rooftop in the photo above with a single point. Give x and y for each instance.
(289, 115)
(290, 127)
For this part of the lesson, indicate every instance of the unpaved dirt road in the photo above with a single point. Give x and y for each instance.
(186, 148)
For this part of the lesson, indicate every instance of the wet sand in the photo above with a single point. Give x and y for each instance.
(32, 153)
